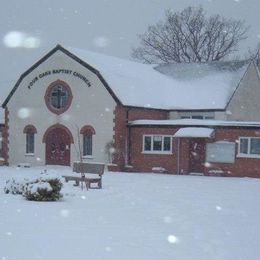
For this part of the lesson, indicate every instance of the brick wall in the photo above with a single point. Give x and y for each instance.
(5, 135)
(145, 162)
(121, 131)
(242, 166)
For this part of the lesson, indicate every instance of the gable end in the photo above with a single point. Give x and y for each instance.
(71, 55)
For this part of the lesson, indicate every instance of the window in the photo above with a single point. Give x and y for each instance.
(87, 132)
(58, 97)
(222, 152)
(249, 146)
(205, 115)
(157, 144)
(30, 132)
(87, 145)
(29, 143)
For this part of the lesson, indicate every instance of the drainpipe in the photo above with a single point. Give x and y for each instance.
(127, 142)
(178, 157)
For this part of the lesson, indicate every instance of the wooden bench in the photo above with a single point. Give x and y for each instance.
(87, 168)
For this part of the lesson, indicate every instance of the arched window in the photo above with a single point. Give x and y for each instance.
(87, 132)
(30, 131)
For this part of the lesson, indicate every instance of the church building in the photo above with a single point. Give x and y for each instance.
(76, 105)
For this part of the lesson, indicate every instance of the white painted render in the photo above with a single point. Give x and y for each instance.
(245, 105)
(90, 106)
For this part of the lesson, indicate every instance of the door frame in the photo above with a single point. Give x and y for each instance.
(52, 128)
(197, 164)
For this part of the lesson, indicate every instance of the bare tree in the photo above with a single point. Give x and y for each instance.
(189, 36)
(257, 55)
(254, 54)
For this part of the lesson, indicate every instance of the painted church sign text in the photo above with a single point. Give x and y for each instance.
(59, 71)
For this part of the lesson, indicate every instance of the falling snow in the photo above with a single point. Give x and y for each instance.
(101, 41)
(24, 113)
(17, 39)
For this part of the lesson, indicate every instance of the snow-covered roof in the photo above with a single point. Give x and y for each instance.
(203, 86)
(199, 132)
(194, 122)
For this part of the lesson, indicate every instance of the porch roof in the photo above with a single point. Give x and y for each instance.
(195, 132)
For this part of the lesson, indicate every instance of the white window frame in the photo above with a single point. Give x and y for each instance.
(30, 147)
(152, 151)
(204, 116)
(248, 154)
(86, 155)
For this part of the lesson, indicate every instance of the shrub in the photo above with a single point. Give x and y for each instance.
(15, 186)
(45, 188)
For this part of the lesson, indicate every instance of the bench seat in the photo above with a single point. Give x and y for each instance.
(86, 169)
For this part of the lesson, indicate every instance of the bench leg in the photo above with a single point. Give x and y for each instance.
(100, 184)
(87, 184)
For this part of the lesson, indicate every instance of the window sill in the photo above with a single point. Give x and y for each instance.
(253, 156)
(29, 155)
(87, 157)
(157, 152)
(220, 162)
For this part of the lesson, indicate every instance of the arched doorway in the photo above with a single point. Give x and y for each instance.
(58, 141)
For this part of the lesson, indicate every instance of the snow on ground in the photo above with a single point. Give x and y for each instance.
(134, 216)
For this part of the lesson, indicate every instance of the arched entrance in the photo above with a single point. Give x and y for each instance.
(58, 141)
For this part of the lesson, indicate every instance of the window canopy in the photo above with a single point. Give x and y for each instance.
(196, 132)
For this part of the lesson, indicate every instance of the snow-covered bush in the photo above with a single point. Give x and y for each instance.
(15, 186)
(44, 188)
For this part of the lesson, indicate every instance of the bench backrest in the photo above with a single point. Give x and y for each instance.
(83, 167)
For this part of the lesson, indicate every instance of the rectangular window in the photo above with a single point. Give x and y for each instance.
(87, 145)
(29, 143)
(147, 143)
(157, 144)
(249, 146)
(222, 152)
(205, 115)
(167, 144)
(197, 117)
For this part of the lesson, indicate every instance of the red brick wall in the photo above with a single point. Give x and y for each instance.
(145, 162)
(242, 166)
(5, 135)
(121, 131)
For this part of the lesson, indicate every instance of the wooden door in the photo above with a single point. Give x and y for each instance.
(197, 155)
(58, 147)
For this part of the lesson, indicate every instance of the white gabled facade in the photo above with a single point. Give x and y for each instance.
(91, 105)
(244, 104)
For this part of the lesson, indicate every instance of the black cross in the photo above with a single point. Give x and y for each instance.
(58, 93)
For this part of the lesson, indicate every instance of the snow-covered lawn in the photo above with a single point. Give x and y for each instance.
(134, 216)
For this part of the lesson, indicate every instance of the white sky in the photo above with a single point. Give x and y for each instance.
(108, 26)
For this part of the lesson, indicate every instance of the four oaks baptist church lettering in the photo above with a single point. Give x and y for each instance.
(59, 71)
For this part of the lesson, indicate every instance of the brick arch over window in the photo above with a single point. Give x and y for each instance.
(55, 127)
(30, 129)
(87, 130)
